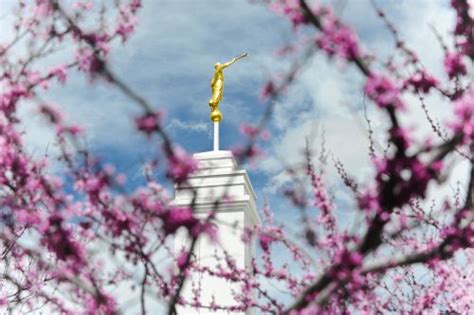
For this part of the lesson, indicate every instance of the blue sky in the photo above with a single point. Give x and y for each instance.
(170, 59)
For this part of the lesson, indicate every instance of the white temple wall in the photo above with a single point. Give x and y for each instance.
(218, 175)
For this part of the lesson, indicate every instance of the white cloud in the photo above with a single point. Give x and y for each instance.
(330, 96)
(198, 127)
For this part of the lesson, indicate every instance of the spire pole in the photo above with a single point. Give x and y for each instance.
(216, 136)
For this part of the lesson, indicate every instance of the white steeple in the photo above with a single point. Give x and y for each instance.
(218, 178)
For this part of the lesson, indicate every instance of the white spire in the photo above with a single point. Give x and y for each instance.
(216, 136)
(218, 178)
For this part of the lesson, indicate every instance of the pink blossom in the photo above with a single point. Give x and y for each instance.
(180, 165)
(87, 61)
(149, 122)
(174, 218)
(406, 177)
(252, 132)
(454, 65)
(321, 198)
(309, 310)
(268, 235)
(265, 241)
(27, 217)
(383, 91)
(182, 259)
(99, 41)
(290, 9)
(401, 137)
(421, 82)
(135, 5)
(102, 304)
(464, 20)
(119, 221)
(34, 77)
(346, 264)
(73, 130)
(42, 9)
(464, 117)
(59, 240)
(248, 130)
(94, 185)
(338, 39)
(207, 228)
(127, 20)
(59, 72)
(252, 152)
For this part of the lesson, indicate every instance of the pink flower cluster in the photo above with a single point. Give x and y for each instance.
(291, 10)
(174, 218)
(93, 185)
(322, 199)
(454, 65)
(463, 124)
(383, 91)
(421, 82)
(149, 123)
(117, 221)
(102, 304)
(88, 61)
(252, 132)
(337, 39)
(401, 178)
(9, 96)
(59, 72)
(250, 151)
(180, 165)
(58, 239)
(127, 19)
(346, 265)
(464, 26)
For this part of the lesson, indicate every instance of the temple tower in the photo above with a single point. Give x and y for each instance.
(219, 187)
(218, 178)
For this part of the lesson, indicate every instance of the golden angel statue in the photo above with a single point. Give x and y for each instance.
(217, 86)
